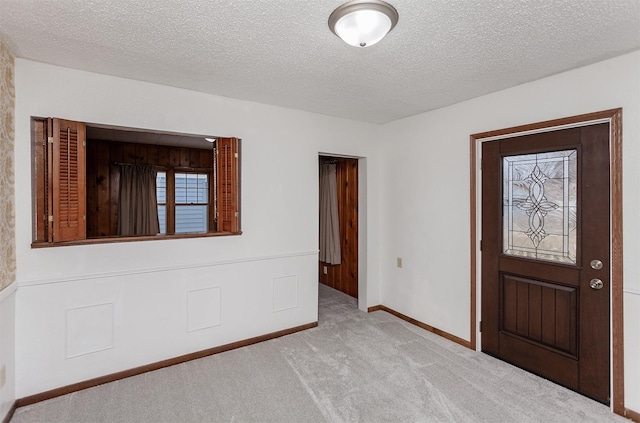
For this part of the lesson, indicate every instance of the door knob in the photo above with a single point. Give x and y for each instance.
(596, 284)
(596, 264)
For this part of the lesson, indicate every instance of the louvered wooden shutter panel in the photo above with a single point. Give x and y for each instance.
(48, 195)
(69, 184)
(227, 178)
(41, 178)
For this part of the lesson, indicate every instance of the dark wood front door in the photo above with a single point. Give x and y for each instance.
(545, 255)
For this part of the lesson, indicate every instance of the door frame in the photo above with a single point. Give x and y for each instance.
(614, 118)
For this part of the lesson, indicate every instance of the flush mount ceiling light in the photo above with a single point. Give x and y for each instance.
(362, 23)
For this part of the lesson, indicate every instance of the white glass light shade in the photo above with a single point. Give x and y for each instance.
(362, 23)
(363, 28)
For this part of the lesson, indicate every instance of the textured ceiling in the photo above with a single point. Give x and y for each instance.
(282, 52)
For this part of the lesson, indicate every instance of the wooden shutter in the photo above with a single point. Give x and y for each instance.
(67, 180)
(227, 184)
(40, 165)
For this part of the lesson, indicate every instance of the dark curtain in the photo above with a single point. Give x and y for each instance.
(329, 222)
(138, 208)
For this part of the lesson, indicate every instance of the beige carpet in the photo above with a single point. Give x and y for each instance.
(354, 367)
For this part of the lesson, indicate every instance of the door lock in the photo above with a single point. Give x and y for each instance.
(596, 284)
(596, 264)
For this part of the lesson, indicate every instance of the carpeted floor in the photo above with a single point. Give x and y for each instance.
(354, 367)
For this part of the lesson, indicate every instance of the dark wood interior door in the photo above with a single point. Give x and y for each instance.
(545, 255)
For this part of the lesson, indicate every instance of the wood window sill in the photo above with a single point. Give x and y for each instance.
(110, 240)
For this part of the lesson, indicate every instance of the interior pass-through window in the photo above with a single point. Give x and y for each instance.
(94, 183)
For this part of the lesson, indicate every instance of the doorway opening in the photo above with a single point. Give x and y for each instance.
(338, 264)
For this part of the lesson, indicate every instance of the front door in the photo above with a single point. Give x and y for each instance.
(545, 255)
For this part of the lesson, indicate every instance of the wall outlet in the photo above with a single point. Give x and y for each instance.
(399, 262)
(324, 269)
(3, 375)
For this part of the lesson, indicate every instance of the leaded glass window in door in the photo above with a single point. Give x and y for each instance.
(540, 206)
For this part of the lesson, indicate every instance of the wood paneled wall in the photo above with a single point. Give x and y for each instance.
(344, 277)
(103, 176)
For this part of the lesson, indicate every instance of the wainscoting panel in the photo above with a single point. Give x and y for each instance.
(632, 353)
(89, 329)
(203, 308)
(285, 293)
(136, 317)
(7, 349)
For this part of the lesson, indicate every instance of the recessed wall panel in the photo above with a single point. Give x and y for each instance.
(90, 329)
(285, 293)
(203, 308)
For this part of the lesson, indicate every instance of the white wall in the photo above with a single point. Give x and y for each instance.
(7, 349)
(425, 193)
(86, 311)
(417, 208)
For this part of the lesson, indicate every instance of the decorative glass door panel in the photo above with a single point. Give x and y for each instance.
(540, 206)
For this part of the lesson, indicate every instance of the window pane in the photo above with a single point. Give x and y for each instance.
(161, 187)
(181, 188)
(191, 219)
(203, 188)
(192, 188)
(162, 219)
(539, 206)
